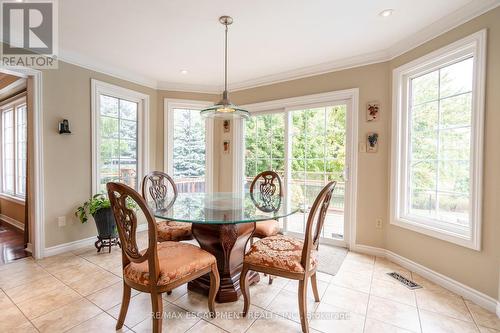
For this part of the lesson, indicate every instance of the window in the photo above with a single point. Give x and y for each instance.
(188, 150)
(307, 147)
(14, 138)
(438, 147)
(119, 145)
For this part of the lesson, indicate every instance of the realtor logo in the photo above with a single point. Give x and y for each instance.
(29, 33)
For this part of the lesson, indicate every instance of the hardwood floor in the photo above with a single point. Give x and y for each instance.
(11, 244)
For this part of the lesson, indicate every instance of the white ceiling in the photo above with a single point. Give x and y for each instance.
(150, 42)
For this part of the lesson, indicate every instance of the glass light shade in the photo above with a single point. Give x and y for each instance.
(225, 110)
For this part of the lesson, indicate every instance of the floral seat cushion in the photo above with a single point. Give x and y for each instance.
(266, 228)
(176, 260)
(173, 231)
(279, 252)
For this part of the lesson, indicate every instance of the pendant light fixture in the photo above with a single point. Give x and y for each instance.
(224, 109)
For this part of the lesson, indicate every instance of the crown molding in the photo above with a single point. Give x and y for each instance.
(462, 15)
(445, 24)
(80, 60)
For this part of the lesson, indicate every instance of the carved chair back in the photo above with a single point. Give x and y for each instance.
(124, 202)
(270, 191)
(315, 222)
(155, 186)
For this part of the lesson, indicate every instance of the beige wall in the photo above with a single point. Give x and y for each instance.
(476, 269)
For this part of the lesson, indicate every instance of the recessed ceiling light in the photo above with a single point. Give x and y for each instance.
(184, 71)
(386, 12)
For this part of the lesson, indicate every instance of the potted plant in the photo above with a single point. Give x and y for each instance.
(99, 207)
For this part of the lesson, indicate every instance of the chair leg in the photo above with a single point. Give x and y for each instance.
(169, 292)
(244, 290)
(314, 285)
(157, 305)
(124, 308)
(303, 305)
(271, 279)
(214, 288)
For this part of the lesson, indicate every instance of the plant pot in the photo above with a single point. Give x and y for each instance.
(105, 223)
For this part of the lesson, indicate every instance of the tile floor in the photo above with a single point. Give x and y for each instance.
(81, 292)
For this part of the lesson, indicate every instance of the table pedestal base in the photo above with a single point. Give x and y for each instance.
(227, 243)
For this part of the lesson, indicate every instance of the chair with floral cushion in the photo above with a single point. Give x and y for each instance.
(155, 190)
(160, 267)
(267, 198)
(289, 257)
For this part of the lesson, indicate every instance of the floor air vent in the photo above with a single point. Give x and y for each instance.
(408, 283)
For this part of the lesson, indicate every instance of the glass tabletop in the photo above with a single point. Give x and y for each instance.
(222, 208)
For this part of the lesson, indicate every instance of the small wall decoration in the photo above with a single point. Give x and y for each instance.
(226, 146)
(227, 126)
(372, 142)
(372, 111)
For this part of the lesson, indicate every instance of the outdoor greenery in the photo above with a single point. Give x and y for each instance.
(189, 143)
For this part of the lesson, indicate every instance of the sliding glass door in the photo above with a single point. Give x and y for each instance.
(308, 148)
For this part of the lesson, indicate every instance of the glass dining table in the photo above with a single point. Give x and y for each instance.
(223, 223)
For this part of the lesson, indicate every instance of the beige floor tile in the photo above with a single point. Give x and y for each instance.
(275, 324)
(261, 294)
(437, 323)
(67, 317)
(360, 257)
(21, 275)
(324, 277)
(175, 320)
(48, 301)
(11, 318)
(332, 319)
(102, 323)
(483, 317)
(98, 280)
(376, 326)
(444, 303)
(33, 288)
(286, 304)
(483, 329)
(293, 286)
(194, 302)
(110, 296)
(383, 266)
(229, 316)
(393, 290)
(353, 280)
(104, 259)
(429, 285)
(345, 298)
(205, 327)
(353, 265)
(138, 310)
(397, 314)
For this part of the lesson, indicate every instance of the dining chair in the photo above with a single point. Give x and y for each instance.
(155, 186)
(160, 267)
(269, 195)
(289, 257)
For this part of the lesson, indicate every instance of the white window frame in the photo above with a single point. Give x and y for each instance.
(102, 88)
(168, 117)
(286, 106)
(12, 103)
(475, 46)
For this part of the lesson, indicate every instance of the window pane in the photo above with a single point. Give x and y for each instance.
(8, 151)
(189, 153)
(21, 137)
(118, 142)
(456, 78)
(109, 106)
(440, 137)
(425, 88)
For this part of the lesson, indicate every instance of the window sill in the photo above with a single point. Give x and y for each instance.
(12, 198)
(471, 243)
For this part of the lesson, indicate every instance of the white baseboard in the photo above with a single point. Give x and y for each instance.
(13, 222)
(66, 247)
(72, 246)
(467, 292)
